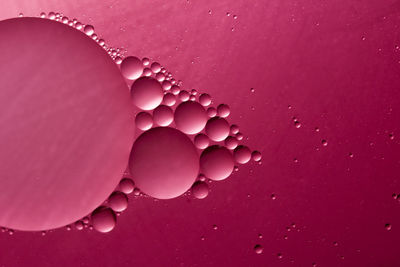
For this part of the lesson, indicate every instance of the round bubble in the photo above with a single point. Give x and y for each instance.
(200, 189)
(242, 154)
(216, 163)
(146, 93)
(118, 201)
(65, 137)
(163, 115)
(231, 142)
(143, 121)
(164, 162)
(223, 110)
(205, 99)
(217, 129)
(126, 185)
(169, 99)
(201, 141)
(131, 68)
(190, 117)
(103, 219)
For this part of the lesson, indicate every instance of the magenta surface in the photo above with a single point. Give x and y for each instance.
(334, 66)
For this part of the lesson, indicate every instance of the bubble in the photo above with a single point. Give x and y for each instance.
(118, 201)
(74, 142)
(169, 99)
(146, 93)
(131, 68)
(166, 85)
(126, 185)
(258, 249)
(155, 67)
(256, 155)
(231, 142)
(164, 162)
(205, 100)
(42, 15)
(146, 61)
(160, 77)
(190, 117)
(163, 115)
(297, 124)
(103, 219)
(79, 225)
(216, 163)
(52, 15)
(88, 29)
(252, 90)
(239, 136)
(388, 226)
(201, 141)
(242, 154)
(200, 190)
(175, 89)
(211, 112)
(118, 60)
(273, 196)
(223, 110)
(279, 255)
(147, 72)
(324, 142)
(184, 95)
(143, 121)
(217, 129)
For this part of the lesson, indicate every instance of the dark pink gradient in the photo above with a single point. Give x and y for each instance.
(334, 63)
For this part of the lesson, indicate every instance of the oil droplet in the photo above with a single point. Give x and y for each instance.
(231, 142)
(216, 163)
(143, 121)
(252, 90)
(126, 185)
(205, 100)
(201, 141)
(163, 115)
(256, 155)
(184, 95)
(155, 67)
(147, 72)
(217, 129)
(258, 249)
(79, 225)
(118, 201)
(190, 117)
(242, 154)
(103, 219)
(131, 68)
(164, 162)
(88, 29)
(234, 129)
(169, 99)
(146, 61)
(211, 112)
(223, 110)
(146, 93)
(200, 189)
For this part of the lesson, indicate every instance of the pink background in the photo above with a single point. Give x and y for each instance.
(336, 64)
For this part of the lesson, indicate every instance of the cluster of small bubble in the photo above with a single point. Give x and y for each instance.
(166, 104)
(116, 54)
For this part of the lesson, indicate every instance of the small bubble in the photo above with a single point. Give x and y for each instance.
(118, 201)
(88, 29)
(43, 233)
(297, 124)
(205, 100)
(285, 237)
(279, 255)
(256, 155)
(228, 14)
(316, 129)
(79, 225)
(391, 136)
(335, 244)
(20, 15)
(126, 185)
(10, 232)
(258, 249)
(223, 110)
(252, 90)
(215, 227)
(324, 142)
(235, 16)
(144, 121)
(103, 219)
(200, 190)
(42, 15)
(260, 236)
(388, 226)
(273, 196)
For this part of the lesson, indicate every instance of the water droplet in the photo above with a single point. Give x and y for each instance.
(164, 162)
(242, 154)
(118, 201)
(169, 99)
(216, 163)
(146, 93)
(190, 117)
(258, 249)
(217, 129)
(155, 67)
(256, 155)
(103, 219)
(79, 225)
(223, 110)
(126, 185)
(201, 141)
(200, 189)
(131, 68)
(88, 29)
(297, 124)
(205, 100)
(163, 115)
(143, 121)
